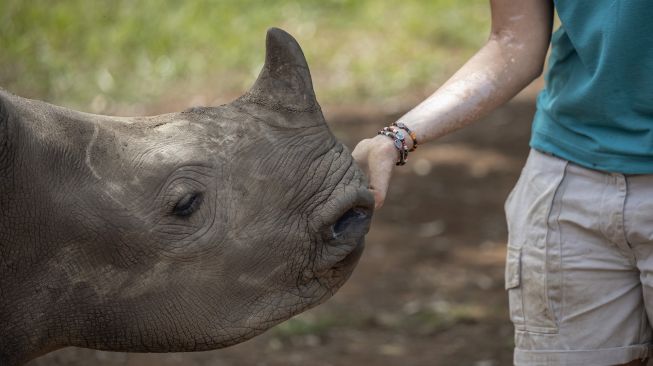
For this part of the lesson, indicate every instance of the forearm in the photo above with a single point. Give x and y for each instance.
(512, 58)
(508, 62)
(490, 78)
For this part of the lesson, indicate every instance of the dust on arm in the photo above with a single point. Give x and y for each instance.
(512, 57)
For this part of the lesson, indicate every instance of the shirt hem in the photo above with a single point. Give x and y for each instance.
(591, 160)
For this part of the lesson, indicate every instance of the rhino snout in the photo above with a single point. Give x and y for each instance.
(342, 238)
(348, 241)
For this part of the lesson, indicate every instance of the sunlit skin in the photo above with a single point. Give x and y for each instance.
(512, 58)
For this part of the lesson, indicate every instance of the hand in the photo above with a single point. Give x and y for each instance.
(378, 156)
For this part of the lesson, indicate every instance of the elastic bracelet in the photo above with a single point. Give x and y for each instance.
(399, 143)
(412, 134)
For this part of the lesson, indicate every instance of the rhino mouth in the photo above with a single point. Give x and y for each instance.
(343, 245)
(337, 274)
(352, 258)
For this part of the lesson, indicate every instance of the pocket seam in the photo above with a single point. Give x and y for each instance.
(553, 244)
(514, 280)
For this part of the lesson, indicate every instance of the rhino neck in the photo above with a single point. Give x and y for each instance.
(21, 278)
(15, 351)
(25, 324)
(28, 317)
(35, 309)
(36, 315)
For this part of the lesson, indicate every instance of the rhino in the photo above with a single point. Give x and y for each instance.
(179, 232)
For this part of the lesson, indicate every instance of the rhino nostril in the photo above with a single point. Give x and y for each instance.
(354, 222)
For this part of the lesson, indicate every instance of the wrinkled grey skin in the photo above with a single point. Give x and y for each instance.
(181, 232)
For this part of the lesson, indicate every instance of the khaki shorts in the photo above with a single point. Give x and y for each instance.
(579, 269)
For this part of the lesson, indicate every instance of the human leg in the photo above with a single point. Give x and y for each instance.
(574, 289)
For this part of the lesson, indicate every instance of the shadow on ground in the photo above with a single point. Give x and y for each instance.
(429, 288)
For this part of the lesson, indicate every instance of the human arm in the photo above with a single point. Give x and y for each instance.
(512, 57)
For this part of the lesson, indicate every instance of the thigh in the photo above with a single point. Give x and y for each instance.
(601, 303)
(575, 296)
(638, 221)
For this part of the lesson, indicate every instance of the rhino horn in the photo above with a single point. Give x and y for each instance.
(285, 83)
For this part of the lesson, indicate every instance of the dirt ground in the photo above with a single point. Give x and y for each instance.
(429, 288)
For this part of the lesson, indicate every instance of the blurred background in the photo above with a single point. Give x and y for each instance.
(429, 288)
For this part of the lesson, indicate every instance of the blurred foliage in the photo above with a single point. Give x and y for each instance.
(308, 324)
(417, 319)
(126, 51)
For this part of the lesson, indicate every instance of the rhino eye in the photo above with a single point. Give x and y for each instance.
(187, 204)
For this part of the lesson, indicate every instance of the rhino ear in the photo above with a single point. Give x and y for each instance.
(4, 130)
(4, 120)
(285, 81)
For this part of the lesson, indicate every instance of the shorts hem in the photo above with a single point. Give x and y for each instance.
(597, 357)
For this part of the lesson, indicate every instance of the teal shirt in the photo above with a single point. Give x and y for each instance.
(597, 107)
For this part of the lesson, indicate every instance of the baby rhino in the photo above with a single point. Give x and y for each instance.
(181, 232)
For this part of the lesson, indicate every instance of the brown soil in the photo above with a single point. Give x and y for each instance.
(429, 288)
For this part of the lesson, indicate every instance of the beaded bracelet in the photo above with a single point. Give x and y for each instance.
(412, 134)
(399, 141)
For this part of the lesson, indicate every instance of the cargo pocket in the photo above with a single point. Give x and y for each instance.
(529, 290)
(533, 277)
(513, 282)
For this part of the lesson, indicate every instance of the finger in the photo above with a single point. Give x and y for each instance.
(380, 166)
(379, 199)
(361, 155)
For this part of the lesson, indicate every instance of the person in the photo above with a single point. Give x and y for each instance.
(579, 270)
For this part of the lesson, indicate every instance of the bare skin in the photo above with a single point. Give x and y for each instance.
(512, 58)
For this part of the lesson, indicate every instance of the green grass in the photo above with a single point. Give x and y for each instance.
(73, 52)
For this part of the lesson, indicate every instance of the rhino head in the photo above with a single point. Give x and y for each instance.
(179, 232)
